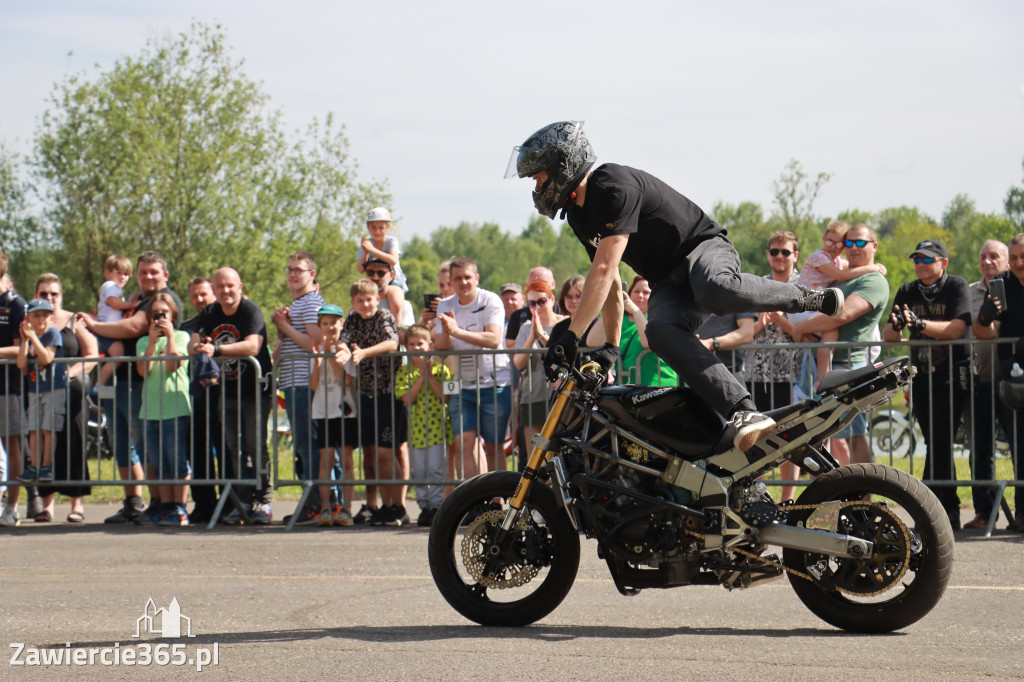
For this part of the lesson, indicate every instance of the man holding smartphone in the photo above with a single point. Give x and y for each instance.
(1003, 316)
(936, 307)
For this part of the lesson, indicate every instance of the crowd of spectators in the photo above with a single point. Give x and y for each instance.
(200, 412)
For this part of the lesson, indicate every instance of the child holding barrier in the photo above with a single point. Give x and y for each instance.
(166, 408)
(420, 383)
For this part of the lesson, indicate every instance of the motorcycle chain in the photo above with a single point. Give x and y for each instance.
(805, 576)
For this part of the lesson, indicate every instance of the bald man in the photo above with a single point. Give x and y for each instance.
(235, 330)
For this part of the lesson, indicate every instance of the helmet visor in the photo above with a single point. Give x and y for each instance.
(512, 171)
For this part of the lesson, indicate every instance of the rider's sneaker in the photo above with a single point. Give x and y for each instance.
(10, 519)
(826, 301)
(750, 428)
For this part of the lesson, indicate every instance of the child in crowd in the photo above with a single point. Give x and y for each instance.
(331, 432)
(369, 332)
(166, 408)
(421, 383)
(46, 383)
(381, 245)
(821, 270)
(111, 307)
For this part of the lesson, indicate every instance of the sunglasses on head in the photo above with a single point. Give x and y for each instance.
(775, 252)
(859, 243)
(926, 260)
(543, 300)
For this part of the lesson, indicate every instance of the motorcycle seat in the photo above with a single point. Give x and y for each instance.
(838, 378)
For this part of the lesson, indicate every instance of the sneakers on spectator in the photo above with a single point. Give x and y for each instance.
(308, 516)
(383, 516)
(200, 515)
(979, 522)
(262, 514)
(325, 516)
(128, 513)
(45, 475)
(341, 516)
(751, 426)
(29, 475)
(154, 510)
(173, 516)
(10, 519)
(364, 515)
(426, 517)
(235, 518)
(826, 301)
(399, 517)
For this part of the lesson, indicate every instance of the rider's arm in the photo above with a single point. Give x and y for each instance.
(603, 275)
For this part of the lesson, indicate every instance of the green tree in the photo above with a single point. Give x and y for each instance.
(175, 150)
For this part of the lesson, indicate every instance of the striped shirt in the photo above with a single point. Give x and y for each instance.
(295, 371)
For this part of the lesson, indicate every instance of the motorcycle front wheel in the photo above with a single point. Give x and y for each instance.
(512, 582)
(913, 549)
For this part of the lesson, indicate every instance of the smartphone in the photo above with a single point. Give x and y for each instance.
(428, 300)
(159, 315)
(997, 290)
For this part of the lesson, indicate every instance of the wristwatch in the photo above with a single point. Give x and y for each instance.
(715, 344)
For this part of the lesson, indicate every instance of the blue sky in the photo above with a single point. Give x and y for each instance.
(903, 102)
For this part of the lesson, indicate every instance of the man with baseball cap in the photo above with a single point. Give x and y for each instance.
(936, 307)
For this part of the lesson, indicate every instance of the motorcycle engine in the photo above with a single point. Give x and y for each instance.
(635, 529)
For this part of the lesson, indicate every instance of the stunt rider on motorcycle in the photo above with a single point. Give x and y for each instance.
(623, 214)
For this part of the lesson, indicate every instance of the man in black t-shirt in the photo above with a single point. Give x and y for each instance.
(623, 214)
(12, 409)
(936, 307)
(236, 332)
(128, 437)
(1006, 320)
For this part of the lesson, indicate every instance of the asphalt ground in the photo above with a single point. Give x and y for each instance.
(359, 604)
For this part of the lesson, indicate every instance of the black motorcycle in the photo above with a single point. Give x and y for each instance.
(652, 475)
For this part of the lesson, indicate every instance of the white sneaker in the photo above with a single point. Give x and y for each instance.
(750, 428)
(9, 518)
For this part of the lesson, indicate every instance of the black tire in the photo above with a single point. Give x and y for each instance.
(547, 535)
(918, 590)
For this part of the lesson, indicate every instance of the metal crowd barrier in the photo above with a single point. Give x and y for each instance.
(224, 421)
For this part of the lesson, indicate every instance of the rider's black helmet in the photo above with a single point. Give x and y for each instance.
(563, 150)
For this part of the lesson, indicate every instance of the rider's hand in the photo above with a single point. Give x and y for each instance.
(561, 350)
(605, 356)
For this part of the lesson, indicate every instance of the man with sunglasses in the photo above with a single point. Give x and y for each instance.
(936, 307)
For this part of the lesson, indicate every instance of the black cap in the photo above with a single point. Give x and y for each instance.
(931, 247)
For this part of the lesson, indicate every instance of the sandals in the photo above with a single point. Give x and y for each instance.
(44, 517)
(76, 517)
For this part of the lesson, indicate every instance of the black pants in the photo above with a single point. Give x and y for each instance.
(771, 396)
(205, 443)
(245, 445)
(983, 449)
(1013, 424)
(939, 402)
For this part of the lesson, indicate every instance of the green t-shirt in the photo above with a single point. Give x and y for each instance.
(429, 420)
(874, 289)
(653, 371)
(165, 395)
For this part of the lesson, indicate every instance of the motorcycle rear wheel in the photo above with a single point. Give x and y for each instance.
(907, 597)
(535, 567)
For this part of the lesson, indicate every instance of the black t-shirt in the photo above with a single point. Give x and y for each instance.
(951, 302)
(12, 312)
(663, 225)
(126, 370)
(515, 322)
(1011, 321)
(247, 320)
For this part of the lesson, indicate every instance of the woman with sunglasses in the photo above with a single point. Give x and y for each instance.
(534, 389)
(633, 344)
(69, 450)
